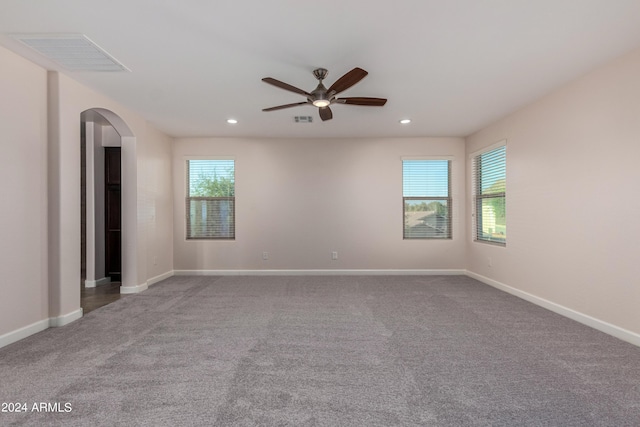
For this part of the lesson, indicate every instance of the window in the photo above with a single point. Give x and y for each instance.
(211, 199)
(489, 195)
(426, 196)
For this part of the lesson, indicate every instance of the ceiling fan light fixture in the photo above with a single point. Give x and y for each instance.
(321, 103)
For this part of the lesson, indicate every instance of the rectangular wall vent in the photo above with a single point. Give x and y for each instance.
(75, 52)
(303, 119)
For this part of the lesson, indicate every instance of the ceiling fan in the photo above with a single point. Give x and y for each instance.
(322, 97)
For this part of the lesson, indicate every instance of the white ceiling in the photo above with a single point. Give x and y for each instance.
(452, 66)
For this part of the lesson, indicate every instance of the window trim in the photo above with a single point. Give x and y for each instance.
(475, 197)
(449, 198)
(188, 198)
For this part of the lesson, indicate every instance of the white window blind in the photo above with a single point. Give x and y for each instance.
(490, 194)
(426, 191)
(210, 199)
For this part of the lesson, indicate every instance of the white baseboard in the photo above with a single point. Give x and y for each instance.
(144, 286)
(319, 272)
(65, 319)
(134, 289)
(39, 326)
(99, 282)
(600, 325)
(24, 332)
(160, 278)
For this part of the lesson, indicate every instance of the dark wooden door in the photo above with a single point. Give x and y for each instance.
(113, 259)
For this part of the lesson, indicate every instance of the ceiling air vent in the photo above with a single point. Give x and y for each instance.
(75, 52)
(303, 119)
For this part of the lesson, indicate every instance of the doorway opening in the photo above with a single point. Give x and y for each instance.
(108, 212)
(112, 217)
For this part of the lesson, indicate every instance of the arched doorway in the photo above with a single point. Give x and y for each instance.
(105, 133)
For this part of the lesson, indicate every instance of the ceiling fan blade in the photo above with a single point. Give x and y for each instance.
(348, 80)
(285, 86)
(280, 107)
(325, 113)
(374, 102)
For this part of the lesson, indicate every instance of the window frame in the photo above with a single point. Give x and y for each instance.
(477, 199)
(189, 198)
(448, 198)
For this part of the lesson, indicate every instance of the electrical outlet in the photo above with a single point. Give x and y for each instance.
(334, 255)
(155, 260)
(265, 255)
(489, 262)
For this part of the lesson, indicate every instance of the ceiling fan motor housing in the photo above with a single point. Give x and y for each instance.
(319, 94)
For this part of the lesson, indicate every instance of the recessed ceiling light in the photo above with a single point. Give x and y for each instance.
(232, 121)
(405, 121)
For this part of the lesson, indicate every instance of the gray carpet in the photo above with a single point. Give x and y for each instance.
(323, 351)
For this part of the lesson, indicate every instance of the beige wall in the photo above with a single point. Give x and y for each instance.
(301, 199)
(157, 197)
(73, 99)
(23, 173)
(572, 197)
(40, 246)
